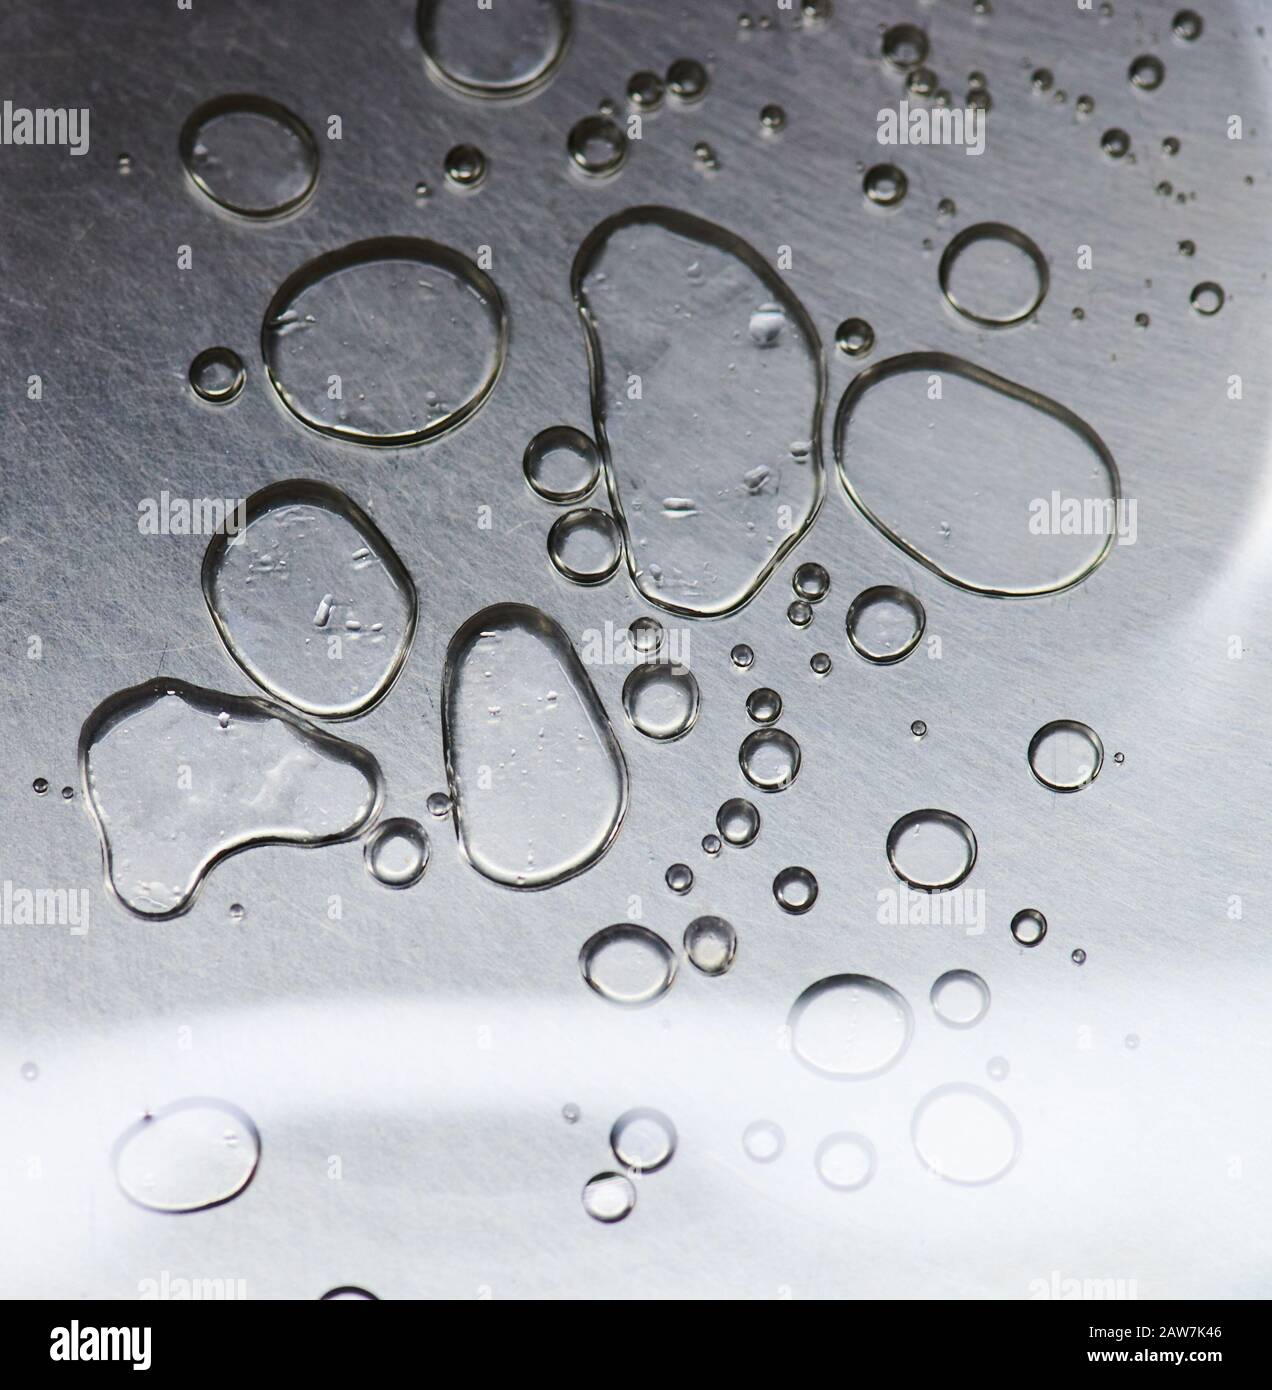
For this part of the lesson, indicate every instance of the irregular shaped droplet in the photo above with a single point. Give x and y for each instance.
(707, 385)
(711, 943)
(1066, 755)
(385, 342)
(931, 850)
(643, 1140)
(965, 1135)
(396, 852)
(307, 575)
(493, 51)
(250, 155)
(537, 779)
(960, 998)
(661, 700)
(627, 964)
(188, 1156)
(850, 1026)
(1002, 491)
(178, 778)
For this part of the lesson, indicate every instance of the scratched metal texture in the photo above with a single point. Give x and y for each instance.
(429, 1039)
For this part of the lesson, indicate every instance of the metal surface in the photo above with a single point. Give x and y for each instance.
(407, 1064)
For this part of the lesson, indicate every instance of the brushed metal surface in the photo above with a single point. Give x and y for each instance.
(407, 1064)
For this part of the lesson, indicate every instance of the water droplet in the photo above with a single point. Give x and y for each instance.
(628, 964)
(763, 1141)
(646, 636)
(508, 50)
(396, 852)
(965, 1135)
(609, 1197)
(850, 1026)
(738, 822)
(266, 778)
(687, 80)
(1187, 25)
(1141, 320)
(905, 46)
(994, 275)
(1078, 956)
(960, 998)
(422, 190)
(1132, 1041)
(811, 582)
(571, 1113)
(1085, 105)
(439, 804)
(537, 778)
(584, 545)
(919, 729)
(1066, 755)
(710, 943)
(465, 167)
(1119, 758)
(845, 1162)
(645, 91)
(303, 554)
(123, 163)
(884, 624)
(679, 878)
(40, 786)
(237, 912)
(931, 850)
(1146, 72)
(1207, 298)
(597, 146)
(413, 333)
(764, 705)
(1115, 143)
(985, 454)
(769, 759)
(799, 613)
(251, 156)
(1187, 248)
(661, 700)
(68, 793)
(643, 1140)
(795, 889)
(772, 117)
(348, 1293)
(561, 464)
(997, 1068)
(217, 375)
(819, 663)
(921, 82)
(742, 656)
(1028, 926)
(188, 1156)
(854, 337)
(1042, 79)
(732, 358)
(29, 1071)
(885, 185)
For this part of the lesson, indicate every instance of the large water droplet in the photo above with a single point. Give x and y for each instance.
(188, 1156)
(850, 1026)
(770, 759)
(965, 1135)
(628, 964)
(738, 822)
(710, 943)
(307, 569)
(251, 156)
(493, 51)
(412, 334)
(1066, 755)
(537, 778)
(1004, 491)
(721, 415)
(661, 700)
(180, 777)
(609, 1197)
(994, 275)
(931, 850)
(885, 624)
(584, 545)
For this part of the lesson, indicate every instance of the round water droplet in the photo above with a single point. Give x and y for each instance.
(237, 912)
(738, 822)
(850, 1026)
(439, 804)
(795, 889)
(1146, 72)
(769, 759)
(905, 46)
(764, 705)
(1187, 26)
(571, 1113)
(396, 852)
(772, 117)
(679, 878)
(628, 964)
(742, 656)
(711, 844)
(885, 185)
(710, 943)
(597, 146)
(1042, 79)
(763, 1141)
(643, 1140)
(819, 664)
(799, 614)
(645, 91)
(1028, 926)
(251, 156)
(661, 700)
(465, 167)
(68, 793)
(997, 1068)
(217, 375)
(561, 464)
(584, 545)
(511, 49)
(1066, 755)
(188, 1156)
(1078, 956)
(1132, 1041)
(40, 786)
(811, 582)
(29, 1071)
(921, 82)
(1115, 143)
(687, 80)
(931, 850)
(1085, 105)
(854, 337)
(1118, 758)
(960, 998)
(994, 275)
(646, 636)
(885, 624)
(1207, 298)
(965, 1135)
(609, 1197)
(845, 1162)
(919, 729)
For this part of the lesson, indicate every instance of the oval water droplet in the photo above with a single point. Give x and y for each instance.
(1066, 755)
(412, 334)
(738, 822)
(189, 1156)
(250, 155)
(710, 943)
(763, 1141)
(597, 146)
(561, 464)
(845, 1161)
(965, 1135)
(493, 51)
(687, 80)
(396, 852)
(850, 1026)
(884, 624)
(764, 705)
(931, 850)
(646, 636)
(960, 998)
(537, 779)
(628, 964)
(994, 275)
(770, 759)
(661, 700)
(609, 1197)
(306, 566)
(584, 546)
(643, 1140)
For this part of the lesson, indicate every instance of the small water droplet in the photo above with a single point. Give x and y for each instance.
(571, 1113)
(189, 1156)
(772, 117)
(439, 804)
(1187, 26)
(845, 1162)
(217, 375)
(679, 878)
(854, 338)
(30, 1072)
(643, 1140)
(820, 663)
(905, 46)
(742, 656)
(561, 464)
(609, 1197)
(710, 944)
(770, 759)
(1028, 926)
(250, 156)
(960, 998)
(885, 185)
(799, 613)
(645, 90)
(919, 729)
(1115, 143)
(997, 1068)
(1078, 956)
(1066, 755)
(1147, 72)
(795, 889)
(584, 545)
(597, 146)
(711, 844)
(965, 1135)
(40, 786)
(763, 1141)
(764, 706)
(396, 852)
(687, 80)
(850, 1026)
(465, 166)
(738, 822)
(1207, 298)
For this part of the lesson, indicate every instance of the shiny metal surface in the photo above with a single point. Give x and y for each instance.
(407, 1063)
